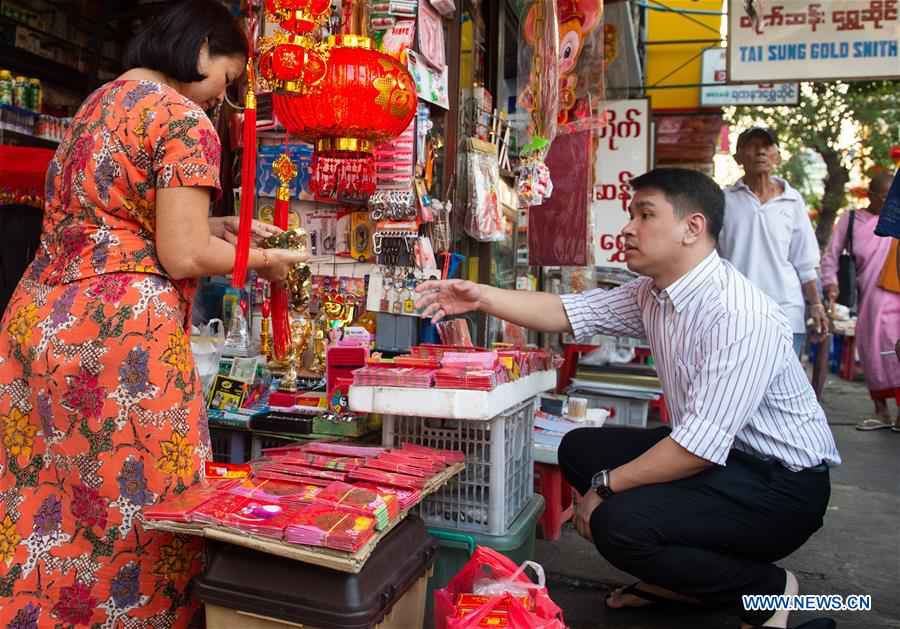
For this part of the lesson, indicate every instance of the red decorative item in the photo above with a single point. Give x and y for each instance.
(895, 155)
(365, 98)
(299, 16)
(285, 170)
(248, 173)
(344, 98)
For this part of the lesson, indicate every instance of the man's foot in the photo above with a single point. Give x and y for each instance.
(780, 618)
(643, 594)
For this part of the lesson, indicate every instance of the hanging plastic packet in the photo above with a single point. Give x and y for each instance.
(485, 221)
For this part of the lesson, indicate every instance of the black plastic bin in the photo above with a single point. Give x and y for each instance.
(254, 590)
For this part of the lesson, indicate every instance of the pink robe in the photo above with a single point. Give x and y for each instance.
(878, 325)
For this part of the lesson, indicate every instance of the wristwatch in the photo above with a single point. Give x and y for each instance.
(600, 484)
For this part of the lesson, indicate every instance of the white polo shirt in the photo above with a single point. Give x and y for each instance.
(773, 244)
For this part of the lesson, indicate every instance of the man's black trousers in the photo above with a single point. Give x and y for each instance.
(712, 536)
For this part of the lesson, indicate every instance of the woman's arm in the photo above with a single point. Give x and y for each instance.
(187, 247)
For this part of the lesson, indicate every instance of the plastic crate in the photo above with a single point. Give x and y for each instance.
(454, 548)
(498, 481)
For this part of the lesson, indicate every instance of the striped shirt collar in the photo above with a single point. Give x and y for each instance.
(686, 288)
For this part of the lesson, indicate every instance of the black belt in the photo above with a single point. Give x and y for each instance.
(769, 463)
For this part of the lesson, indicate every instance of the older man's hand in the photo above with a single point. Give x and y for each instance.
(584, 508)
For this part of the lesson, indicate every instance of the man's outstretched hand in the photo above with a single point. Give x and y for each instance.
(443, 298)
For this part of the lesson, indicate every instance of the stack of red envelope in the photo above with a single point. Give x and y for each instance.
(450, 457)
(263, 518)
(299, 470)
(275, 491)
(406, 498)
(320, 525)
(470, 379)
(320, 461)
(417, 377)
(179, 508)
(382, 506)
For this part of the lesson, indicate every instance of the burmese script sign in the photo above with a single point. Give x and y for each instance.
(622, 153)
(714, 70)
(807, 40)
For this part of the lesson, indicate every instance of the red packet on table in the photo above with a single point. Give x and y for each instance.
(360, 500)
(276, 491)
(300, 470)
(320, 461)
(406, 498)
(319, 525)
(217, 510)
(292, 478)
(179, 508)
(260, 517)
(429, 465)
(447, 456)
(387, 478)
(399, 467)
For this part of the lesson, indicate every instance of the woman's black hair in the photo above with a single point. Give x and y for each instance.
(171, 41)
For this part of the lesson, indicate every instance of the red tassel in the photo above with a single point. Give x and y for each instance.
(248, 188)
(281, 322)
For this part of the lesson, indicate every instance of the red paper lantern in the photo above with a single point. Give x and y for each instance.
(299, 16)
(895, 155)
(364, 98)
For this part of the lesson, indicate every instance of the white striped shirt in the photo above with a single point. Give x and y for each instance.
(724, 352)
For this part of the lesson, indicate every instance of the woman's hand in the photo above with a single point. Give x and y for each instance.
(279, 262)
(448, 297)
(227, 229)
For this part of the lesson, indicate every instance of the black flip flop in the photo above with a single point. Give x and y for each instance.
(655, 600)
(818, 623)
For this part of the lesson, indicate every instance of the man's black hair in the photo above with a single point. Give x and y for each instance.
(689, 192)
(170, 43)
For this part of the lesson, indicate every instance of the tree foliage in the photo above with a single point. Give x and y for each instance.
(827, 112)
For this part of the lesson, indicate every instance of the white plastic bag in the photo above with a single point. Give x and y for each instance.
(207, 345)
(512, 585)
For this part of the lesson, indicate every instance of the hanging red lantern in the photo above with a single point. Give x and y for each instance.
(362, 99)
(299, 16)
(365, 98)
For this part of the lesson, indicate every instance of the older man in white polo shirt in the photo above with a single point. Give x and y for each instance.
(768, 237)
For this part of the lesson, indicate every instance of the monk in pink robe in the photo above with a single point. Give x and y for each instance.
(878, 323)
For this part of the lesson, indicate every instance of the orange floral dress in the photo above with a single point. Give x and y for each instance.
(101, 409)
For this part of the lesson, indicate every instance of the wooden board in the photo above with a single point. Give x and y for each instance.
(325, 557)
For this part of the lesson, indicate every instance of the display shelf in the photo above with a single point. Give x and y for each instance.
(30, 64)
(8, 136)
(325, 557)
(450, 403)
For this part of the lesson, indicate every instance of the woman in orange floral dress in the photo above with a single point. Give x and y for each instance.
(101, 410)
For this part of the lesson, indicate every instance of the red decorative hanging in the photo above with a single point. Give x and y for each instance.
(364, 95)
(248, 185)
(285, 170)
(299, 16)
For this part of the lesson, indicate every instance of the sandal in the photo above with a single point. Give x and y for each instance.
(874, 423)
(652, 599)
(818, 623)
